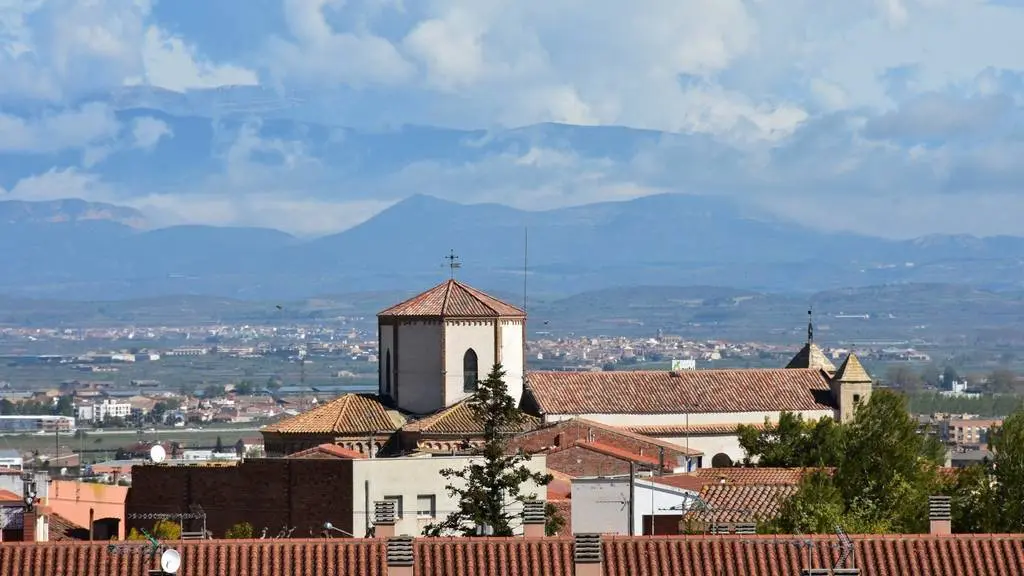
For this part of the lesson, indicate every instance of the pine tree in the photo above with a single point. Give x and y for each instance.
(490, 485)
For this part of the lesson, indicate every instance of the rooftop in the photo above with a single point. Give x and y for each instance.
(459, 420)
(349, 414)
(453, 299)
(920, 555)
(694, 391)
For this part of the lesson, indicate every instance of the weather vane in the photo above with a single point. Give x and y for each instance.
(453, 263)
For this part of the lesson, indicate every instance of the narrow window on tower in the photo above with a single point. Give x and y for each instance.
(469, 371)
(387, 373)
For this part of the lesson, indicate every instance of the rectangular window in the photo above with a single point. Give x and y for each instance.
(399, 512)
(426, 506)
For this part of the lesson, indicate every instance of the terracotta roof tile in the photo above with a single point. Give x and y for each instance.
(742, 502)
(328, 450)
(852, 371)
(663, 392)
(894, 555)
(614, 452)
(453, 299)
(791, 476)
(205, 558)
(683, 430)
(7, 496)
(811, 356)
(63, 530)
(495, 556)
(347, 414)
(459, 420)
(684, 481)
(620, 437)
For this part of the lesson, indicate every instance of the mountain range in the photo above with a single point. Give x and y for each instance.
(71, 249)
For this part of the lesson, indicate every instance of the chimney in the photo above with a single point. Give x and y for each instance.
(400, 556)
(939, 515)
(29, 525)
(661, 460)
(384, 519)
(586, 555)
(533, 519)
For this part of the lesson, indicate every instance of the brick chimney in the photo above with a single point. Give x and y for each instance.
(29, 525)
(939, 515)
(384, 519)
(586, 555)
(400, 556)
(534, 518)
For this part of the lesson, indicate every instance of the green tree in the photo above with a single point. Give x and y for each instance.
(792, 442)
(989, 497)
(881, 483)
(244, 388)
(240, 531)
(487, 487)
(219, 446)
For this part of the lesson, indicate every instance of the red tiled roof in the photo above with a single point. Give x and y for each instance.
(453, 299)
(892, 555)
(6, 496)
(692, 429)
(60, 529)
(791, 476)
(497, 556)
(459, 420)
(349, 414)
(609, 435)
(684, 481)
(664, 392)
(329, 450)
(614, 452)
(742, 502)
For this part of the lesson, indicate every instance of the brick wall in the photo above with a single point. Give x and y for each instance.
(578, 461)
(569, 431)
(273, 493)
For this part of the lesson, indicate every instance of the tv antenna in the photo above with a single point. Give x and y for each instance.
(157, 454)
(453, 263)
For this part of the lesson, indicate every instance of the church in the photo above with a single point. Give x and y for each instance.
(434, 347)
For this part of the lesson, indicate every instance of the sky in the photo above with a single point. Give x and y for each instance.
(886, 117)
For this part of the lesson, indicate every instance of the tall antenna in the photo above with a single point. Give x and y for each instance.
(810, 326)
(453, 263)
(526, 254)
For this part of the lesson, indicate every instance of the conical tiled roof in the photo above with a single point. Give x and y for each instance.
(811, 356)
(459, 419)
(453, 299)
(348, 414)
(852, 371)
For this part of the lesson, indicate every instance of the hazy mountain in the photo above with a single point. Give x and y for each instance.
(657, 240)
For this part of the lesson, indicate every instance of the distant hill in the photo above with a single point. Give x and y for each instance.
(78, 250)
(951, 315)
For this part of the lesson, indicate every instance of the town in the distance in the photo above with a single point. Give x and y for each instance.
(372, 429)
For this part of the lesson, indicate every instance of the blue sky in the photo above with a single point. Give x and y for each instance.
(893, 117)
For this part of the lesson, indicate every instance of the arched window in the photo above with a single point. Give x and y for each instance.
(387, 373)
(469, 372)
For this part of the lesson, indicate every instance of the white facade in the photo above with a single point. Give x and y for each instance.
(102, 410)
(424, 364)
(601, 504)
(418, 488)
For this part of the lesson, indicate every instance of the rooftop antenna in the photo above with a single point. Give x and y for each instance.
(453, 263)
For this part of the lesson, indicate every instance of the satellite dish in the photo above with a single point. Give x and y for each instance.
(157, 454)
(170, 561)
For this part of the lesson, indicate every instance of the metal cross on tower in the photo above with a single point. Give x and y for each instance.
(453, 263)
(810, 326)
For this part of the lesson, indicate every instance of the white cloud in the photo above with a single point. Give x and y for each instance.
(56, 131)
(147, 132)
(172, 64)
(57, 183)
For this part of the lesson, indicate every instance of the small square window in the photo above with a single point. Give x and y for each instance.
(426, 506)
(856, 398)
(399, 512)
